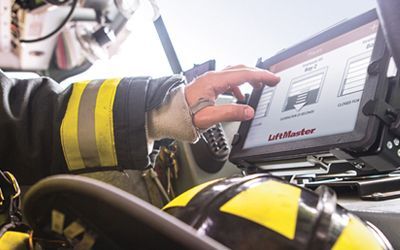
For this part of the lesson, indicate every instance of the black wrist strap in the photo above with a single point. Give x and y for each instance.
(129, 123)
(137, 119)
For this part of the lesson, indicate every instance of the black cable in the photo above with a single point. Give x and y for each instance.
(66, 20)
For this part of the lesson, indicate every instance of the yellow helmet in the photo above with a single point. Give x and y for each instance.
(261, 211)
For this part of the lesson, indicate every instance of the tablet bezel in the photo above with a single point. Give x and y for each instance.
(366, 128)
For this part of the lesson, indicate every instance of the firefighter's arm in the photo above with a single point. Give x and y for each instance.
(101, 124)
(93, 125)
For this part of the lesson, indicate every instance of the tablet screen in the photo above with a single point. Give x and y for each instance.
(319, 92)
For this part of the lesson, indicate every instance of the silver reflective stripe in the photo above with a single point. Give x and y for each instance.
(86, 125)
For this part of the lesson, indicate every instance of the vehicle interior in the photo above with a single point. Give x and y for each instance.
(330, 127)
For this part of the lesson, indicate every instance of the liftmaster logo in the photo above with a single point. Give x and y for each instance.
(290, 134)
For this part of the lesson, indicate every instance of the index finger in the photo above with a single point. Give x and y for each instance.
(223, 80)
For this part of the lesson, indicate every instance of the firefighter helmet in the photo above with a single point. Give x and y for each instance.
(261, 211)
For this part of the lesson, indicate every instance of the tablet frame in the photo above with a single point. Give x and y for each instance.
(366, 128)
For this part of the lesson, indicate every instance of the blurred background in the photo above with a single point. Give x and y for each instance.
(229, 31)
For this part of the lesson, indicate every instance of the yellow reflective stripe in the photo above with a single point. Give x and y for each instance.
(271, 204)
(183, 199)
(69, 129)
(14, 240)
(356, 236)
(104, 125)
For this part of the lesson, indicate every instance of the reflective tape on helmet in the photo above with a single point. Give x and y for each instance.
(356, 236)
(14, 240)
(183, 199)
(271, 204)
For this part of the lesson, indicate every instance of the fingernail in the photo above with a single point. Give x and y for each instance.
(248, 113)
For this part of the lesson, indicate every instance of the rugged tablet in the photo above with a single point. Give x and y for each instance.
(325, 109)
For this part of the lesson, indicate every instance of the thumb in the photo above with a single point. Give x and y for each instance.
(222, 113)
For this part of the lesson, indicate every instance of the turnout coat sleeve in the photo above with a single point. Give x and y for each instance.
(88, 126)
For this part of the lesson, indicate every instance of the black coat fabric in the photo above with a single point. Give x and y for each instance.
(31, 113)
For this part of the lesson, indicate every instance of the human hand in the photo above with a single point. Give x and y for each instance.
(213, 83)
